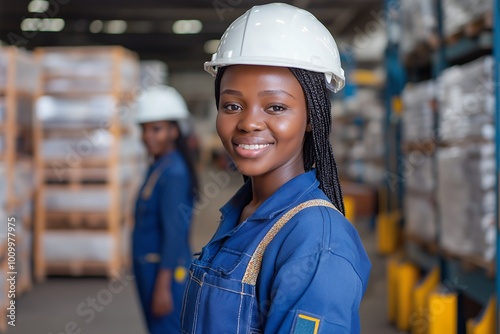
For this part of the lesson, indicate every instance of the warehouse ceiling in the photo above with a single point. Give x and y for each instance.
(147, 26)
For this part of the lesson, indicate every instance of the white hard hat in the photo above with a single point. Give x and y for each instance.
(161, 103)
(278, 34)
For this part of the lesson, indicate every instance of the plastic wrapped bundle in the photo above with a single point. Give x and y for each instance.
(418, 116)
(86, 199)
(26, 69)
(457, 13)
(94, 111)
(419, 174)
(87, 71)
(466, 101)
(24, 179)
(91, 144)
(77, 246)
(466, 197)
(418, 19)
(420, 216)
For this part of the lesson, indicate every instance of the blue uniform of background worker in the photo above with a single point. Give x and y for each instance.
(284, 258)
(163, 212)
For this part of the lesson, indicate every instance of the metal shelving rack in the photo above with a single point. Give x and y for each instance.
(476, 282)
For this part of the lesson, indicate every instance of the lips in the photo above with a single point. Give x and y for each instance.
(251, 147)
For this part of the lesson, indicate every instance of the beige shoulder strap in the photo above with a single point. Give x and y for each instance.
(253, 267)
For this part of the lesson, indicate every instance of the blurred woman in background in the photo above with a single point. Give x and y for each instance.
(164, 209)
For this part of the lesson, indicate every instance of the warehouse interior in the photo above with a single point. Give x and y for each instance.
(414, 133)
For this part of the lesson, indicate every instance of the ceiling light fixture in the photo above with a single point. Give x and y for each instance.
(46, 25)
(115, 27)
(187, 26)
(211, 45)
(96, 26)
(38, 6)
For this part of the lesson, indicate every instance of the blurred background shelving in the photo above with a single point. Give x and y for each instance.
(87, 148)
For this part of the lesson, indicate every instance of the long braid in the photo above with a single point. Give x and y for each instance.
(317, 147)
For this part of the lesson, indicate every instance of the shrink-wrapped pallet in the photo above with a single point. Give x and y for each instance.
(466, 198)
(457, 13)
(466, 101)
(78, 246)
(87, 72)
(418, 116)
(420, 216)
(418, 24)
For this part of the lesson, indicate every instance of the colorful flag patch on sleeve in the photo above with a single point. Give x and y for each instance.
(305, 324)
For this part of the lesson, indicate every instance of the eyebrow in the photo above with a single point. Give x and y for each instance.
(231, 92)
(262, 93)
(275, 92)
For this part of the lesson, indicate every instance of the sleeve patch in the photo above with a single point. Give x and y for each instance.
(305, 324)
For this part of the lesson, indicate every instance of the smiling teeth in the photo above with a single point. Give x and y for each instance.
(253, 147)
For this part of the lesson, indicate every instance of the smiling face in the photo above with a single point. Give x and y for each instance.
(262, 120)
(159, 137)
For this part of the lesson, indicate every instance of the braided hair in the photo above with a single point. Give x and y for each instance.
(189, 157)
(317, 150)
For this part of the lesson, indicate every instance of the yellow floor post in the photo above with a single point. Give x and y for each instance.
(388, 232)
(419, 322)
(442, 312)
(392, 279)
(350, 208)
(486, 322)
(407, 277)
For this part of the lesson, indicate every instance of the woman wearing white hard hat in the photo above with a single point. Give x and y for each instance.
(164, 206)
(284, 258)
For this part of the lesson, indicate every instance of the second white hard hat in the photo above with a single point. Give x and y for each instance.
(161, 103)
(278, 34)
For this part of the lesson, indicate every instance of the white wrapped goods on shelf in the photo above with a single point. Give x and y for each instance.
(458, 13)
(466, 101)
(420, 216)
(419, 23)
(24, 179)
(79, 245)
(419, 174)
(26, 69)
(418, 116)
(92, 198)
(96, 111)
(88, 144)
(466, 198)
(86, 72)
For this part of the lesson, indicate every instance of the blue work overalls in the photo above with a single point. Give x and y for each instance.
(160, 237)
(312, 277)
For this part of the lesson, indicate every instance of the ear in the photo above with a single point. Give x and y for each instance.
(308, 127)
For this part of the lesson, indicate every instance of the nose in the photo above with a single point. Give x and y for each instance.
(251, 120)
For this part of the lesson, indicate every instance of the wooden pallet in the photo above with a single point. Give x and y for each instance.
(86, 172)
(77, 220)
(80, 268)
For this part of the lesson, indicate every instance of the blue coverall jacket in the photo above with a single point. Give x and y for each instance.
(160, 237)
(312, 278)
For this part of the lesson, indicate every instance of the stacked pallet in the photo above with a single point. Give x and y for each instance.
(466, 161)
(18, 79)
(419, 144)
(88, 145)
